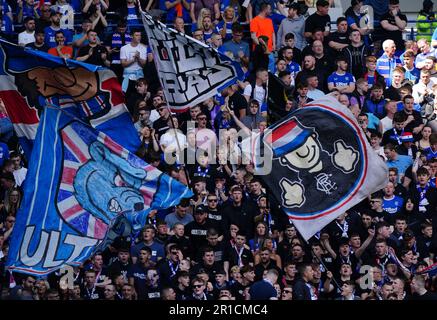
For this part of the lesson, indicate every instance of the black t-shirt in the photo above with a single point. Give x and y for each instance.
(197, 234)
(338, 37)
(237, 102)
(237, 290)
(316, 21)
(160, 126)
(396, 36)
(392, 93)
(415, 123)
(233, 256)
(43, 48)
(96, 57)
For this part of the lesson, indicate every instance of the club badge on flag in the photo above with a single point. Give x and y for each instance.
(80, 184)
(189, 70)
(322, 164)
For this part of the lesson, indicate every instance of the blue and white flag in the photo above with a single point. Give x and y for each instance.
(189, 70)
(31, 79)
(79, 184)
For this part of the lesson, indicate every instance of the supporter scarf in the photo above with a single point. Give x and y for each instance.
(202, 173)
(173, 269)
(398, 136)
(344, 229)
(422, 193)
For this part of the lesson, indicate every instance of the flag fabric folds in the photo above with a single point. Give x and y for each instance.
(431, 271)
(31, 79)
(80, 183)
(321, 164)
(189, 70)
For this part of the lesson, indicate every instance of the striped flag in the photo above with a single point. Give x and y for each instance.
(30, 80)
(81, 184)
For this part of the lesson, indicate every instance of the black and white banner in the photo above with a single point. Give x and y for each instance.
(189, 70)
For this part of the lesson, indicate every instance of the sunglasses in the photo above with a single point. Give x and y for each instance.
(212, 200)
(286, 291)
(197, 286)
(10, 220)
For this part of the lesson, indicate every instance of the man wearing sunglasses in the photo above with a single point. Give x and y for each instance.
(199, 288)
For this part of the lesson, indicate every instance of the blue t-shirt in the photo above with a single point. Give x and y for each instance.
(234, 48)
(262, 290)
(430, 154)
(7, 23)
(139, 273)
(412, 75)
(385, 67)
(157, 250)
(227, 3)
(341, 80)
(373, 121)
(400, 106)
(401, 163)
(393, 205)
(49, 38)
(132, 18)
(294, 68)
(219, 28)
(27, 11)
(4, 153)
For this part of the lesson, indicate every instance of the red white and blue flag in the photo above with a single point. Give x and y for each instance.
(80, 184)
(31, 80)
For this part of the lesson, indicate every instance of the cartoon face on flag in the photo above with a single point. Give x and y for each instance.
(83, 189)
(321, 164)
(91, 165)
(36, 79)
(190, 71)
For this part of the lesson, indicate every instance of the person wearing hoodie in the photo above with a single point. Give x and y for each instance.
(295, 24)
(424, 26)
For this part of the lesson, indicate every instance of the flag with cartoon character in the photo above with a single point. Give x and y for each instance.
(82, 190)
(30, 80)
(321, 164)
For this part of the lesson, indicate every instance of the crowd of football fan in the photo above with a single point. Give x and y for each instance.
(232, 240)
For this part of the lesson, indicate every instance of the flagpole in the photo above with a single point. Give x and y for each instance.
(166, 98)
(323, 264)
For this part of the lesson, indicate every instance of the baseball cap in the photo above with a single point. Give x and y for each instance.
(294, 6)
(322, 3)
(52, 13)
(407, 137)
(200, 209)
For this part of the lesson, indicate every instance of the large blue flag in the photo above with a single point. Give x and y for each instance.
(79, 184)
(31, 79)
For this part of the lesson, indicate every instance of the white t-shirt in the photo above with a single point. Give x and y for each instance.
(20, 176)
(258, 95)
(25, 38)
(315, 94)
(168, 140)
(387, 124)
(127, 52)
(154, 115)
